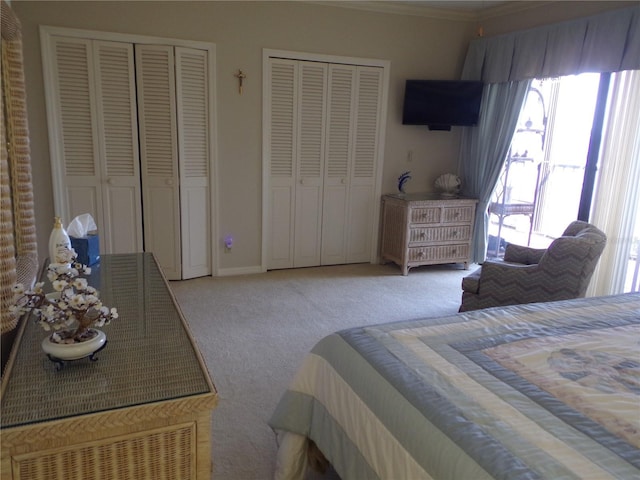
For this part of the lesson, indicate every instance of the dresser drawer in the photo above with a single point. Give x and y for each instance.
(426, 215)
(439, 234)
(457, 214)
(439, 253)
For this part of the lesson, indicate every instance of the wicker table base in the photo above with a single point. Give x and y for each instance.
(168, 440)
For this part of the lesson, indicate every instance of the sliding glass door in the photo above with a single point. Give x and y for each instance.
(553, 166)
(541, 185)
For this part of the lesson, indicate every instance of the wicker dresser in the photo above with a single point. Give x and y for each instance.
(141, 411)
(426, 229)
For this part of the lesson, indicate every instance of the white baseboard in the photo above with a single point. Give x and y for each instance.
(227, 272)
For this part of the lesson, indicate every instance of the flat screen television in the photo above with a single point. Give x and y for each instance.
(441, 104)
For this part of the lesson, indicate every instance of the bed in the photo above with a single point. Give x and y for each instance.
(548, 390)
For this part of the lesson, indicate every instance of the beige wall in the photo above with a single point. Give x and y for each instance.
(417, 47)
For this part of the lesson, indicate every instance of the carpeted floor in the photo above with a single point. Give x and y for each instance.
(254, 330)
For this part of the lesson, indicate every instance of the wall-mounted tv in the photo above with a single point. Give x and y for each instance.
(441, 104)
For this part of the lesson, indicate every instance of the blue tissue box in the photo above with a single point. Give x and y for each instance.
(88, 249)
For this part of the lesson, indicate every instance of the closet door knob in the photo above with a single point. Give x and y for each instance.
(169, 181)
(110, 181)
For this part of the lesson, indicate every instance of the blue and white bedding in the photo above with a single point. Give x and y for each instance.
(532, 391)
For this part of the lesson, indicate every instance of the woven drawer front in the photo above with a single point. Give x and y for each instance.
(438, 253)
(160, 455)
(426, 215)
(457, 214)
(440, 234)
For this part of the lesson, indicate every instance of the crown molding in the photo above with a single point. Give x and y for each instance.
(416, 9)
(465, 11)
(511, 7)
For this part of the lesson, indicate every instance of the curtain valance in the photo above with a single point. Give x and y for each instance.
(607, 42)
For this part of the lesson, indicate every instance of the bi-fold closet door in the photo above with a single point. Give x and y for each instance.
(97, 139)
(131, 126)
(172, 86)
(323, 154)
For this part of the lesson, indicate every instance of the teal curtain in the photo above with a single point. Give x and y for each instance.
(484, 148)
(608, 42)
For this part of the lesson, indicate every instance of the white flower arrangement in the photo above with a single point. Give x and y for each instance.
(72, 309)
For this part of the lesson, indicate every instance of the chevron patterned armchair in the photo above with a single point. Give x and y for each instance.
(528, 275)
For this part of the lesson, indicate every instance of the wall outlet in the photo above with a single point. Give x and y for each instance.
(228, 242)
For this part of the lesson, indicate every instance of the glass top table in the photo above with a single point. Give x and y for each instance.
(150, 356)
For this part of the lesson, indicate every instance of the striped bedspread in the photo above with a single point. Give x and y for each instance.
(523, 392)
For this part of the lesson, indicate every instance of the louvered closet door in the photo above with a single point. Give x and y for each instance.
(365, 159)
(341, 105)
(118, 144)
(159, 155)
(349, 186)
(283, 115)
(97, 144)
(310, 163)
(324, 128)
(296, 146)
(74, 109)
(192, 82)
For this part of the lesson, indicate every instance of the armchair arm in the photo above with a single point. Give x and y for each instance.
(492, 270)
(521, 254)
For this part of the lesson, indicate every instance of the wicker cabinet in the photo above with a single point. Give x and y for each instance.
(426, 229)
(141, 411)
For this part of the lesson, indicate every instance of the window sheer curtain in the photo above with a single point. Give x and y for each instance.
(608, 42)
(617, 192)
